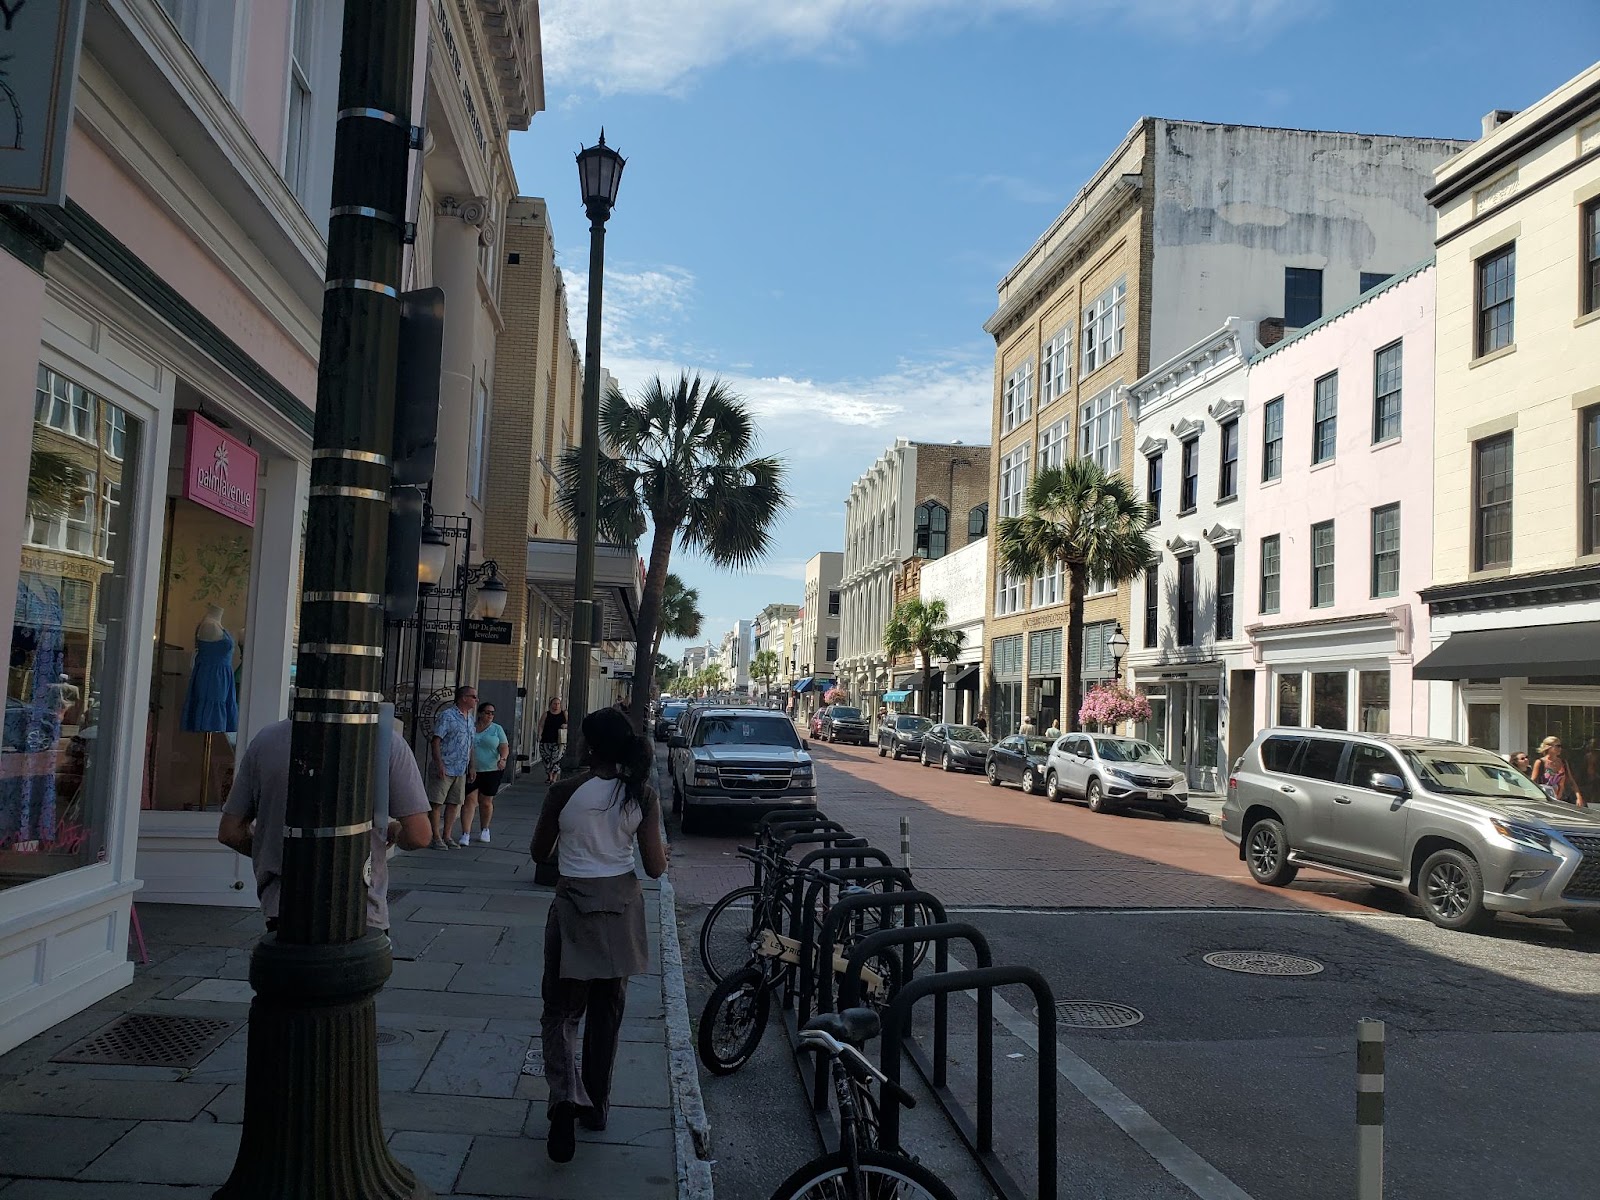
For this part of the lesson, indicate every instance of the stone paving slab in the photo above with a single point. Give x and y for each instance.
(475, 1064)
(435, 1157)
(62, 1189)
(52, 1146)
(453, 1114)
(50, 1093)
(171, 1152)
(460, 944)
(625, 1126)
(518, 1167)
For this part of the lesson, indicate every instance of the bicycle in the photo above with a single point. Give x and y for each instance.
(860, 1169)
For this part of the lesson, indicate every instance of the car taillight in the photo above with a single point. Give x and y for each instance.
(1233, 783)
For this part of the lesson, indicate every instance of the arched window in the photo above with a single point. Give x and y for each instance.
(933, 529)
(978, 521)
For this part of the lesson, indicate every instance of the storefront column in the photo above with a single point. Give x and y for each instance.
(274, 604)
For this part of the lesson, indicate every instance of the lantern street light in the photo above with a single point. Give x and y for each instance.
(1117, 643)
(492, 591)
(600, 174)
(430, 557)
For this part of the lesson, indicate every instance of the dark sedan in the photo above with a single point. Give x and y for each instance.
(902, 734)
(844, 723)
(955, 747)
(1019, 759)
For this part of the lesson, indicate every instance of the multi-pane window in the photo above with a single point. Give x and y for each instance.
(1189, 482)
(1053, 445)
(116, 435)
(1371, 279)
(1491, 470)
(1386, 550)
(298, 144)
(61, 404)
(1289, 688)
(1271, 573)
(1100, 430)
(1055, 367)
(1591, 256)
(978, 521)
(1272, 440)
(478, 450)
(1013, 481)
(1228, 468)
(833, 648)
(1302, 296)
(833, 604)
(933, 529)
(1186, 600)
(1322, 564)
(1104, 326)
(1152, 604)
(72, 530)
(1325, 418)
(110, 501)
(1497, 288)
(1386, 393)
(1018, 397)
(1152, 486)
(1591, 480)
(1050, 586)
(1224, 592)
(1372, 705)
(1008, 593)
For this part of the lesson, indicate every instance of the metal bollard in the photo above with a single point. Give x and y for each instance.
(905, 842)
(1369, 1110)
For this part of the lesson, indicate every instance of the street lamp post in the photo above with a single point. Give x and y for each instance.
(1117, 643)
(600, 172)
(311, 1120)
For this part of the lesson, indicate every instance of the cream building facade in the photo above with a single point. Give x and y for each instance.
(1514, 604)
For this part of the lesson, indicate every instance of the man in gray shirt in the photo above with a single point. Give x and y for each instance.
(252, 819)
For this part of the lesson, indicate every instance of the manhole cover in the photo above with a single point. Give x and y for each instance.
(1262, 962)
(1096, 1014)
(150, 1040)
(394, 1037)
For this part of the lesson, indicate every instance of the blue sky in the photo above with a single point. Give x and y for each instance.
(822, 194)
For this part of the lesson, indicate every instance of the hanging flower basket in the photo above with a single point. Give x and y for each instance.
(1109, 705)
(836, 695)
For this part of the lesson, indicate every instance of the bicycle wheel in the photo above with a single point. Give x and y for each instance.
(726, 933)
(894, 918)
(884, 1176)
(733, 1021)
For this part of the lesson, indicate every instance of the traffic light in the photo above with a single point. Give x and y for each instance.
(416, 442)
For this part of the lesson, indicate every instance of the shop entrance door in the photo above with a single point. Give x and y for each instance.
(1178, 726)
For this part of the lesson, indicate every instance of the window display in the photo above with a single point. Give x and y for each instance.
(68, 634)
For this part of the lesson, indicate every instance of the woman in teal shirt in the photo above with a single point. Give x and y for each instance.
(485, 773)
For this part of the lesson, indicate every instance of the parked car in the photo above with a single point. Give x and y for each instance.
(1112, 772)
(844, 723)
(1453, 825)
(671, 713)
(744, 761)
(1018, 759)
(955, 747)
(815, 723)
(902, 734)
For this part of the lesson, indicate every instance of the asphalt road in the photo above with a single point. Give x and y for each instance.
(1231, 1086)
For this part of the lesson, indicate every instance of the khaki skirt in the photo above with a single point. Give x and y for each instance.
(601, 926)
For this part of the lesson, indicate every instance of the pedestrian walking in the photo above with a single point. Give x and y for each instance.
(1553, 773)
(451, 746)
(254, 815)
(490, 749)
(555, 720)
(1028, 727)
(594, 936)
(1054, 731)
(981, 722)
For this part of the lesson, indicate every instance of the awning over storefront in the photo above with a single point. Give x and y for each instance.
(1572, 649)
(895, 697)
(961, 674)
(913, 681)
(813, 683)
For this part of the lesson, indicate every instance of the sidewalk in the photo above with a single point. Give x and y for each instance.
(463, 1092)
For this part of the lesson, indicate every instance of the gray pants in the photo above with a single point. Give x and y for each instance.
(566, 1002)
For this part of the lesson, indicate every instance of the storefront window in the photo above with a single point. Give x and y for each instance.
(1005, 715)
(1372, 698)
(1577, 725)
(1330, 699)
(1154, 730)
(1483, 726)
(1289, 699)
(1207, 719)
(68, 636)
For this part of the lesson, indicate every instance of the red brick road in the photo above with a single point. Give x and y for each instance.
(976, 845)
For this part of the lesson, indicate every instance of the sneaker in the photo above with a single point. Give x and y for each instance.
(438, 844)
(483, 837)
(563, 1140)
(464, 840)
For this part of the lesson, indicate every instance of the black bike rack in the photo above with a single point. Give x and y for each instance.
(941, 935)
(979, 1134)
(781, 824)
(844, 865)
(812, 961)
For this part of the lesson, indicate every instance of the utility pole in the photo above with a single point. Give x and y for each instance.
(311, 1124)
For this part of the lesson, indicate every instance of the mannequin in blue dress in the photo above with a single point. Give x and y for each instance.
(212, 704)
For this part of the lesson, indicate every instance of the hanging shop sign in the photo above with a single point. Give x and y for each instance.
(39, 42)
(492, 633)
(219, 471)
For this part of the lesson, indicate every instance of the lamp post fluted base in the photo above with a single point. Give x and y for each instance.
(312, 1129)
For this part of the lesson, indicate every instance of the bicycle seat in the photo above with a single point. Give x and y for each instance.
(854, 1026)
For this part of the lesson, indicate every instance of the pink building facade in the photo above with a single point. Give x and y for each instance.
(1339, 496)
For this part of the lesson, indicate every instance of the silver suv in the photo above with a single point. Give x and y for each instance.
(1455, 826)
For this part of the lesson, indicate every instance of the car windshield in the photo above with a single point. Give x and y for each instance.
(844, 714)
(673, 710)
(915, 724)
(744, 731)
(1458, 771)
(965, 733)
(1128, 750)
(1039, 746)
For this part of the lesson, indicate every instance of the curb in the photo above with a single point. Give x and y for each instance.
(691, 1129)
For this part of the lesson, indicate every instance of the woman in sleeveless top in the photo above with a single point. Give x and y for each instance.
(1553, 773)
(594, 937)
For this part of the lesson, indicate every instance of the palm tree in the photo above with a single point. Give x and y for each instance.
(680, 613)
(55, 484)
(765, 667)
(712, 677)
(918, 627)
(1090, 520)
(680, 459)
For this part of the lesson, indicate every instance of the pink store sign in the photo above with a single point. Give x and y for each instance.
(220, 471)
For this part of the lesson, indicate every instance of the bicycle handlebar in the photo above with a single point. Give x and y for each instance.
(856, 1062)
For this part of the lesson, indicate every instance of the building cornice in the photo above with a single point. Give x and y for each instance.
(1535, 589)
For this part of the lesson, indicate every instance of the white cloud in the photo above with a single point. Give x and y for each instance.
(657, 45)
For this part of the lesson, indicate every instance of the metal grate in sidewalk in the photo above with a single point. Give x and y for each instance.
(150, 1040)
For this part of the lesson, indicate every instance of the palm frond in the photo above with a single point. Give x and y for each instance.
(55, 484)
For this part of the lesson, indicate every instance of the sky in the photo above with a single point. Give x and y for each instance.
(821, 196)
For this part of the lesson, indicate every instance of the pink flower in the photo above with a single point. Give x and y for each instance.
(1112, 704)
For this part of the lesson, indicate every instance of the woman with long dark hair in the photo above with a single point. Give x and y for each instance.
(555, 720)
(594, 937)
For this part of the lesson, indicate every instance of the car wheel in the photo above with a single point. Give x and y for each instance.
(1030, 782)
(1267, 854)
(881, 751)
(1096, 797)
(1174, 812)
(1451, 890)
(993, 772)
(1587, 924)
(690, 821)
(948, 763)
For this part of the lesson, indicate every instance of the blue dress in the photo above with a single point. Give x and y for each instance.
(212, 705)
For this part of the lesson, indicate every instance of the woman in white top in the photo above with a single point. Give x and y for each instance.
(594, 936)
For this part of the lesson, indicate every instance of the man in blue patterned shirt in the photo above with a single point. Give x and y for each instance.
(451, 744)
